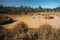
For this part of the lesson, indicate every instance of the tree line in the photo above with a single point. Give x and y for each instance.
(13, 9)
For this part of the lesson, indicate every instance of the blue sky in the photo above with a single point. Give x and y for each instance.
(33, 3)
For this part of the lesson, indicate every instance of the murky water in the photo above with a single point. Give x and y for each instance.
(34, 21)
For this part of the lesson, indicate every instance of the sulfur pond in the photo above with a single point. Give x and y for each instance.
(33, 21)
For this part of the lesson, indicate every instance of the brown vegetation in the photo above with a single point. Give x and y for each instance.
(22, 32)
(4, 19)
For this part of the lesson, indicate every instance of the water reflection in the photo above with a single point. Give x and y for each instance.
(55, 22)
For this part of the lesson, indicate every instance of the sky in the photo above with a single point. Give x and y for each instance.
(32, 3)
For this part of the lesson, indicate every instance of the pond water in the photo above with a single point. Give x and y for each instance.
(34, 21)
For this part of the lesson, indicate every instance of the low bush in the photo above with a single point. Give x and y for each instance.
(5, 20)
(22, 32)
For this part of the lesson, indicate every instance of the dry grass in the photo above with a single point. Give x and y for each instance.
(22, 32)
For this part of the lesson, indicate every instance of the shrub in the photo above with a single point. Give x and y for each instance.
(5, 19)
(19, 32)
(3, 32)
(21, 27)
(56, 35)
(45, 32)
(32, 34)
